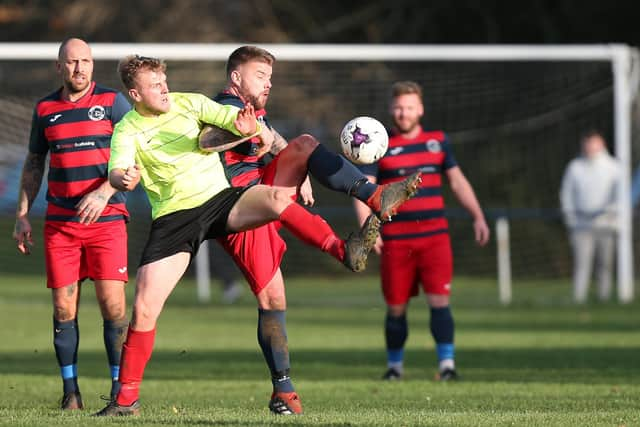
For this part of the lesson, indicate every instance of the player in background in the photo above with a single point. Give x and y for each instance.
(84, 232)
(249, 71)
(415, 247)
(191, 201)
(589, 196)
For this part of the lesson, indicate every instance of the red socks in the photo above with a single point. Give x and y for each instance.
(136, 352)
(313, 230)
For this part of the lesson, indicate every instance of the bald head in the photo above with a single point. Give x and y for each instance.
(75, 66)
(73, 45)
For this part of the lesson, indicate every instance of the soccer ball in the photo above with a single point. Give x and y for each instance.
(364, 140)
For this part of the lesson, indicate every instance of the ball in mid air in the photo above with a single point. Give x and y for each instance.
(364, 140)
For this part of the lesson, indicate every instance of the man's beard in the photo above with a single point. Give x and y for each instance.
(74, 87)
(407, 128)
(256, 102)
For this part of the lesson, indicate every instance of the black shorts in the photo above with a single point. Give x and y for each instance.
(185, 230)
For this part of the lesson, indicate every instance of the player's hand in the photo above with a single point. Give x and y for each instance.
(481, 231)
(22, 235)
(306, 192)
(90, 207)
(131, 177)
(266, 138)
(378, 246)
(246, 122)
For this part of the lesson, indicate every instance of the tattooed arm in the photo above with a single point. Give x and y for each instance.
(90, 207)
(30, 183)
(279, 143)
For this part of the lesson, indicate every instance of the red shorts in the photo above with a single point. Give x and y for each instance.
(407, 263)
(75, 251)
(258, 252)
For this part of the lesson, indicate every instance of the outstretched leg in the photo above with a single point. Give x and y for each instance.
(305, 154)
(261, 204)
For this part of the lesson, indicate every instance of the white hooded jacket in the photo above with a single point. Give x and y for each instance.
(589, 192)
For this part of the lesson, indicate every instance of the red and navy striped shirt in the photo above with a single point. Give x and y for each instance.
(77, 136)
(240, 163)
(423, 215)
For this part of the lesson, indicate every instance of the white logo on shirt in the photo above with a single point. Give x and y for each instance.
(54, 118)
(395, 150)
(433, 145)
(96, 113)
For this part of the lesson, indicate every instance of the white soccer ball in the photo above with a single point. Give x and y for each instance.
(364, 140)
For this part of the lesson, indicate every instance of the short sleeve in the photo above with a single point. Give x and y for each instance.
(37, 142)
(120, 107)
(123, 149)
(449, 159)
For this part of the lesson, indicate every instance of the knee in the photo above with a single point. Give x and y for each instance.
(273, 296)
(273, 302)
(144, 315)
(279, 199)
(397, 310)
(64, 309)
(304, 144)
(113, 309)
(112, 304)
(63, 312)
(437, 301)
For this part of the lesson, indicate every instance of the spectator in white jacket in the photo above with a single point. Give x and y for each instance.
(589, 197)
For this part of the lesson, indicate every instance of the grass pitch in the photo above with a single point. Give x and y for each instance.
(540, 362)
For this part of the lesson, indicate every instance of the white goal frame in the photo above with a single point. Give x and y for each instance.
(623, 59)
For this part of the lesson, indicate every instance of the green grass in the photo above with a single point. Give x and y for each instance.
(540, 362)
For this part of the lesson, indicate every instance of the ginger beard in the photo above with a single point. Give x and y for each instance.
(252, 83)
(406, 111)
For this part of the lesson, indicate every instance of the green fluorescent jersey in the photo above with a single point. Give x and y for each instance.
(175, 173)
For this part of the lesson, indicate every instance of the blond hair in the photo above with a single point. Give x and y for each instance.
(130, 66)
(406, 87)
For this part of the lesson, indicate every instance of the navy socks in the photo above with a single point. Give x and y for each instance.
(272, 337)
(336, 173)
(65, 342)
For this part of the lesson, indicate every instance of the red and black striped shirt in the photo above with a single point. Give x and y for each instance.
(77, 136)
(423, 215)
(242, 167)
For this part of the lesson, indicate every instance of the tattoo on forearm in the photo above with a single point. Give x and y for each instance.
(279, 143)
(32, 174)
(215, 137)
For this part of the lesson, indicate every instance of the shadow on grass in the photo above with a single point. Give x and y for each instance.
(574, 365)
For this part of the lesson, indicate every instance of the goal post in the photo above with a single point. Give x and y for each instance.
(623, 62)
